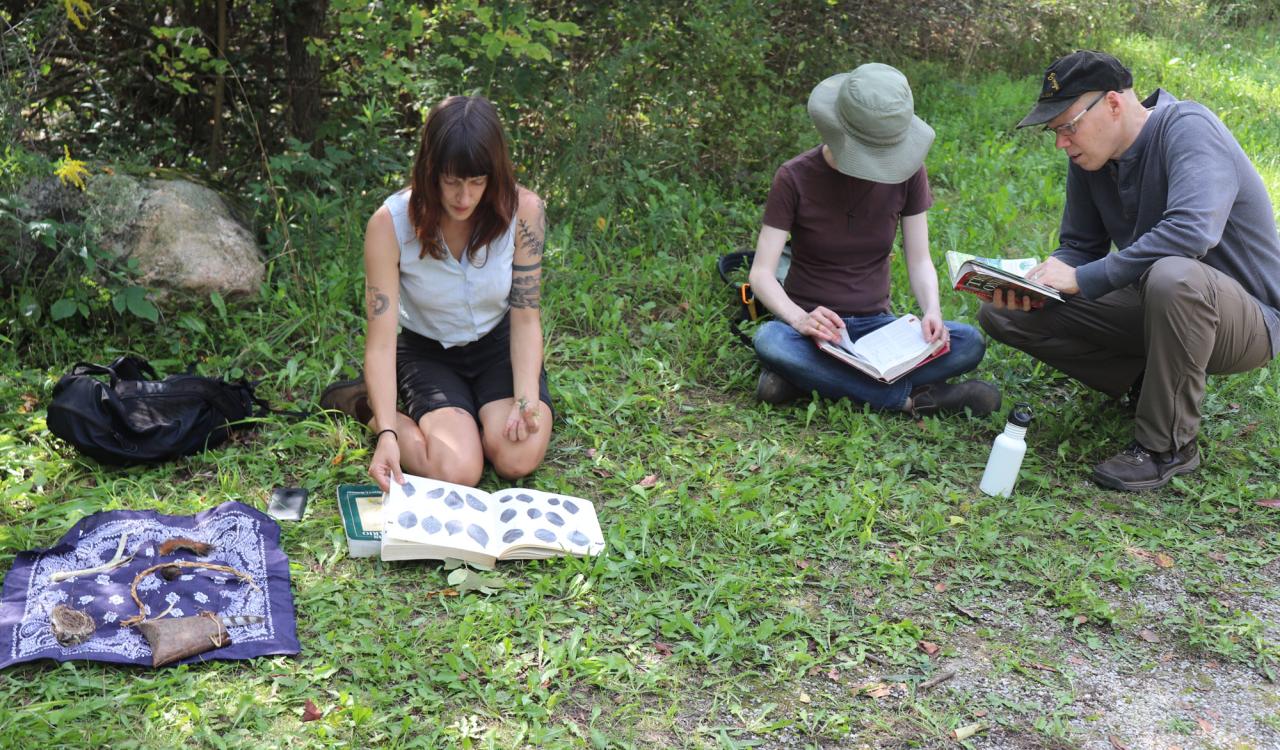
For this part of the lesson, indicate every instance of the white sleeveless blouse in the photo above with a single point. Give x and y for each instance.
(451, 301)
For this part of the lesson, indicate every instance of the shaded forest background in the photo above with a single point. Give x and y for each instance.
(305, 112)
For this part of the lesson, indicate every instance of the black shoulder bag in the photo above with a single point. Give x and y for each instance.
(136, 418)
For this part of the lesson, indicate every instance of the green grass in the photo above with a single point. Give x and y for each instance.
(782, 557)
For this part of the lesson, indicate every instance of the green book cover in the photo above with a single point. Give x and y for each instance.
(360, 506)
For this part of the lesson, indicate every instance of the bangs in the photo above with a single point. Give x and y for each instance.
(464, 153)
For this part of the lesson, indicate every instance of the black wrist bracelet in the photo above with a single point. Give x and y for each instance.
(378, 437)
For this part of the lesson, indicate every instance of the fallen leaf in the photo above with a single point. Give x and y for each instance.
(1081, 619)
(1148, 636)
(662, 648)
(939, 587)
(928, 647)
(804, 698)
(802, 564)
(29, 403)
(874, 689)
(965, 732)
(1271, 502)
(1140, 553)
(1164, 560)
(310, 712)
(833, 674)
(1205, 726)
(649, 480)
(336, 460)
(1116, 743)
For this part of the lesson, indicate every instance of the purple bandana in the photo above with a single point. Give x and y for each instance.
(244, 539)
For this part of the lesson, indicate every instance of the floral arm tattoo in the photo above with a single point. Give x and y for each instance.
(526, 278)
(376, 300)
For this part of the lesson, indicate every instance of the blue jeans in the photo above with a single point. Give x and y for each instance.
(795, 357)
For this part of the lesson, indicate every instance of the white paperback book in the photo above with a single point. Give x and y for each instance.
(889, 352)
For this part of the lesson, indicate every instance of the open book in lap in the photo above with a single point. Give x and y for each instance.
(983, 276)
(429, 519)
(889, 352)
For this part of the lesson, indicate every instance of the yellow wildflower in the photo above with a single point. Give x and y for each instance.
(77, 5)
(70, 170)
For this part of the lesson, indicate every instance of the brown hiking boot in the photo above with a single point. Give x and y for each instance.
(772, 388)
(1136, 468)
(978, 396)
(350, 397)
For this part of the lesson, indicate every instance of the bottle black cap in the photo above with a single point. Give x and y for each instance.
(1020, 415)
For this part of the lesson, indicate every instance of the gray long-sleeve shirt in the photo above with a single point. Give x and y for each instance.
(1185, 187)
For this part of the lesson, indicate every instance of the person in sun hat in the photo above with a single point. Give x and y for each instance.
(1193, 286)
(842, 203)
(453, 279)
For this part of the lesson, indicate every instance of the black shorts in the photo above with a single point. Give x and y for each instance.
(431, 377)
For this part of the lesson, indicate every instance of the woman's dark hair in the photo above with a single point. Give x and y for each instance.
(462, 138)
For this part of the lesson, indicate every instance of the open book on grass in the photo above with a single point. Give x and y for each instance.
(983, 276)
(429, 519)
(887, 353)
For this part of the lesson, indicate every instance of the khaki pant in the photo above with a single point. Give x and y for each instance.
(1180, 322)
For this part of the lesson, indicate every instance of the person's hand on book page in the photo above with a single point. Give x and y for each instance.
(820, 324)
(386, 462)
(522, 421)
(1054, 273)
(933, 328)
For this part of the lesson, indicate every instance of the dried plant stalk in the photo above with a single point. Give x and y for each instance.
(133, 589)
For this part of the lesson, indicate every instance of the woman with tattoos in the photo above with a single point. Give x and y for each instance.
(455, 261)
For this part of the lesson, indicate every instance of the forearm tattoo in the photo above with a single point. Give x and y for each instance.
(376, 300)
(526, 278)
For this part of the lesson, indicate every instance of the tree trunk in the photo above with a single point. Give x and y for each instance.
(219, 91)
(304, 20)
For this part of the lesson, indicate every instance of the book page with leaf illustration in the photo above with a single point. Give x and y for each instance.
(431, 519)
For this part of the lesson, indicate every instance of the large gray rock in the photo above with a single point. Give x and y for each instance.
(181, 234)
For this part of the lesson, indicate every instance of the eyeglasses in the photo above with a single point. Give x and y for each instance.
(1068, 128)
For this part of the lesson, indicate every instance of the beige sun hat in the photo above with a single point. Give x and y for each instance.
(867, 118)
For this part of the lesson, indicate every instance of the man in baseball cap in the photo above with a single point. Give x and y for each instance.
(1193, 286)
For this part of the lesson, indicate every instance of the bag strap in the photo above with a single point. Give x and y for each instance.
(726, 266)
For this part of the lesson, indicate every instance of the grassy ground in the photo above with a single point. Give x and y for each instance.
(774, 577)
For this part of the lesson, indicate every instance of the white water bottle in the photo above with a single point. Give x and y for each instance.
(1006, 454)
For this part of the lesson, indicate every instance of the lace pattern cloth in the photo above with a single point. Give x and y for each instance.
(244, 539)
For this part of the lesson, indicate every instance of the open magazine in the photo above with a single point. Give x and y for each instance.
(983, 276)
(887, 353)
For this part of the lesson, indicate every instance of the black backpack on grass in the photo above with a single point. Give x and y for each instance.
(732, 268)
(136, 418)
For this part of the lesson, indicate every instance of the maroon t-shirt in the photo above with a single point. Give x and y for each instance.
(842, 232)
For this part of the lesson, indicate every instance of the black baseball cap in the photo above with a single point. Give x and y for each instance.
(1069, 77)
